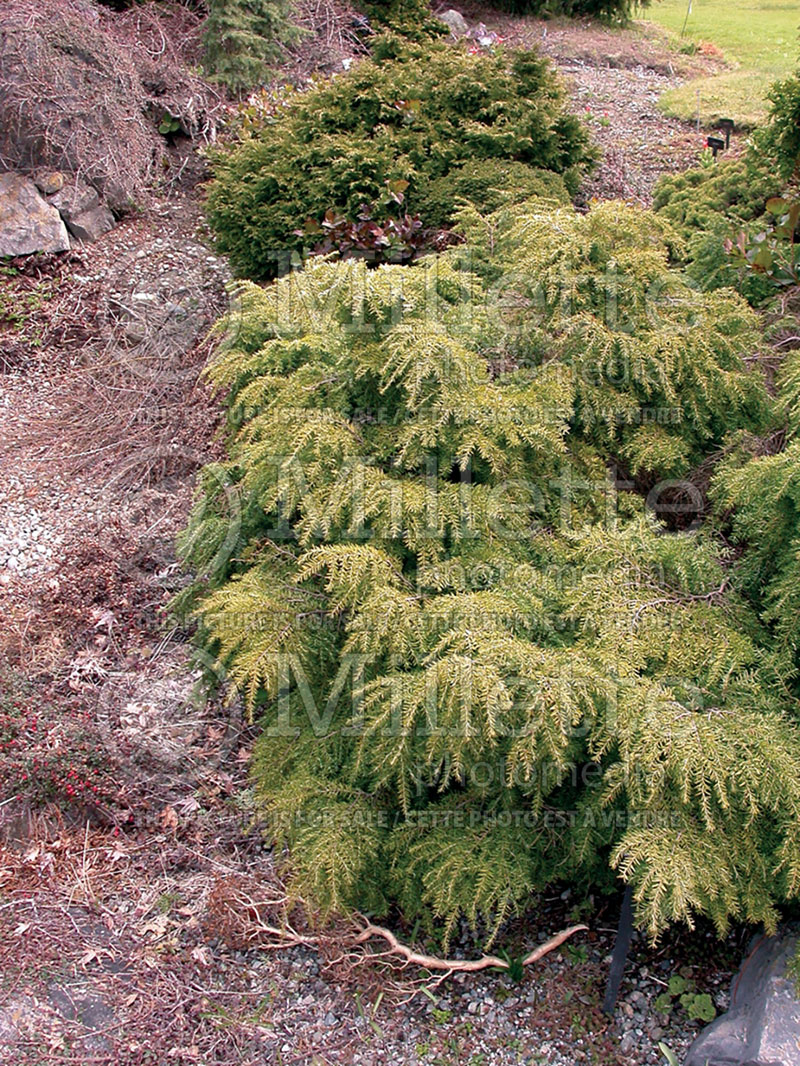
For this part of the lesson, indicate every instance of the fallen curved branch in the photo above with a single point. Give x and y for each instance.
(553, 943)
(242, 910)
(431, 962)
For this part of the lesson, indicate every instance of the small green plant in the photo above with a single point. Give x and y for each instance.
(169, 125)
(515, 971)
(369, 1015)
(20, 301)
(166, 901)
(581, 910)
(698, 1005)
(740, 230)
(669, 1055)
(577, 954)
(577, 1027)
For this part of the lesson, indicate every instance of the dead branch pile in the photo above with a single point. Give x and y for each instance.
(84, 90)
(332, 38)
(167, 43)
(136, 420)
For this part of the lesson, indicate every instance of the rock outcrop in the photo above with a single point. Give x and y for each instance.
(71, 100)
(83, 91)
(48, 181)
(455, 22)
(33, 222)
(762, 1025)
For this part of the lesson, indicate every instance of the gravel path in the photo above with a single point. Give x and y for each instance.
(615, 77)
(638, 143)
(152, 288)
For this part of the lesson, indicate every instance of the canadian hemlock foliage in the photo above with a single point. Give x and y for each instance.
(761, 494)
(479, 664)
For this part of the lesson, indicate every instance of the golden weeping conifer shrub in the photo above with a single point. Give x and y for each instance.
(478, 665)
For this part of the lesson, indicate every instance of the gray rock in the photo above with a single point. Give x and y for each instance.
(79, 205)
(91, 1011)
(627, 1043)
(455, 22)
(91, 224)
(27, 222)
(762, 1027)
(75, 198)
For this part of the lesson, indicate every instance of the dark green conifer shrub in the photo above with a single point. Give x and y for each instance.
(780, 139)
(412, 113)
(487, 184)
(736, 189)
(762, 492)
(409, 18)
(722, 209)
(477, 668)
(243, 39)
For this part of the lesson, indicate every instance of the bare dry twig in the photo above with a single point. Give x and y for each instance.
(432, 962)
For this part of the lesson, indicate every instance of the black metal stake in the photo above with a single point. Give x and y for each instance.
(619, 955)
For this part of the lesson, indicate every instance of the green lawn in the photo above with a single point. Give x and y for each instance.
(759, 39)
